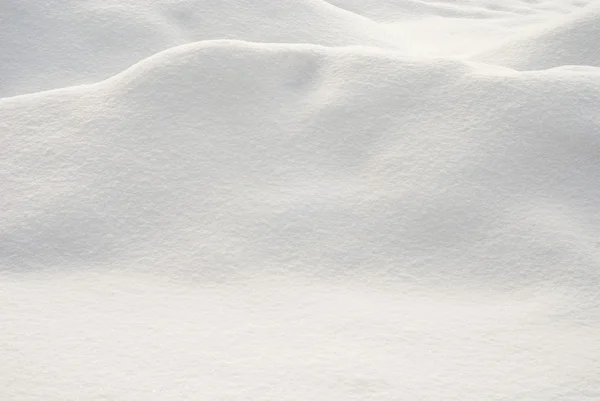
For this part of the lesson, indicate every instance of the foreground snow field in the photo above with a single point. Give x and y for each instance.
(300, 200)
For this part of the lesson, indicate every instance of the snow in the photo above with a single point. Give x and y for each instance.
(296, 200)
(563, 43)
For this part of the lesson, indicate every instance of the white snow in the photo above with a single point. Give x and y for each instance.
(299, 200)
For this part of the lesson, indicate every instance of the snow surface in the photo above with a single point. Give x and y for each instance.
(300, 200)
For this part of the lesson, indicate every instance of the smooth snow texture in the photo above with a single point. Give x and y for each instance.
(313, 206)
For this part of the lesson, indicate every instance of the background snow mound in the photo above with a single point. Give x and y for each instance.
(337, 160)
(48, 45)
(570, 41)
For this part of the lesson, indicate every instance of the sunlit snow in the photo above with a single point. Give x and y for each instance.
(299, 200)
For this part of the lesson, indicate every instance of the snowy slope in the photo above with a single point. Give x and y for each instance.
(323, 208)
(50, 44)
(570, 41)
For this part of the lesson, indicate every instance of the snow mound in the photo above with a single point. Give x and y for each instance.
(347, 159)
(570, 41)
(48, 45)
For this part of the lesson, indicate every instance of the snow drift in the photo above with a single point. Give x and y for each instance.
(568, 42)
(228, 219)
(54, 44)
(331, 153)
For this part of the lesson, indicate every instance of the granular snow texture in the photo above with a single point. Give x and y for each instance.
(300, 200)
